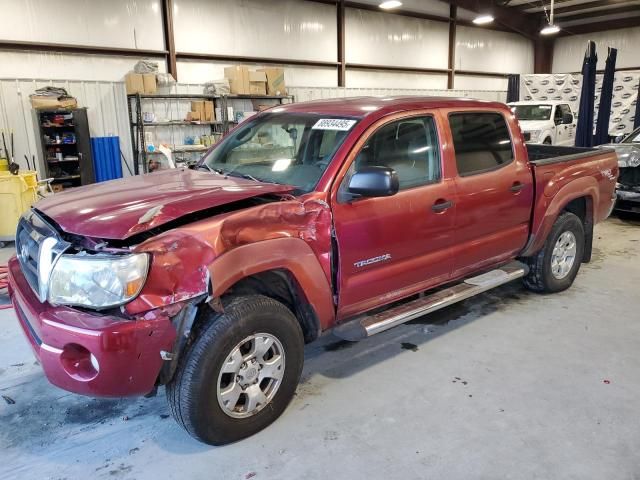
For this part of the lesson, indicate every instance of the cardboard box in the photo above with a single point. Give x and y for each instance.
(134, 83)
(149, 83)
(257, 83)
(238, 76)
(197, 106)
(208, 111)
(275, 81)
(194, 116)
(41, 102)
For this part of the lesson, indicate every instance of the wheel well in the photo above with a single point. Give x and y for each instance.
(582, 208)
(283, 287)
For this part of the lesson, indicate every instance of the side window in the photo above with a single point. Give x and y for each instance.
(558, 115)
(409, 146)
(565, 109)
(481, 141)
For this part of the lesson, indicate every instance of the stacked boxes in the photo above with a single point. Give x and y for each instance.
(201, 111)
(140, 83)
(265, 81)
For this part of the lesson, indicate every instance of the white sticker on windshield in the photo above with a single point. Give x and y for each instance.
(333, 124)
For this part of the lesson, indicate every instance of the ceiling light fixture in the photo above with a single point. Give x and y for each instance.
(483, 19)
(389, 4)
(550, 28)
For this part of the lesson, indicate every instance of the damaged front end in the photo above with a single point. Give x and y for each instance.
(628, 185)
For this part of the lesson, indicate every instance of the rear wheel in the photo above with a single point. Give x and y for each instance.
(555, 266)
(241, 372)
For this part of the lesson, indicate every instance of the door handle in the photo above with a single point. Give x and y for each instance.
(441, 205)
(516, 187)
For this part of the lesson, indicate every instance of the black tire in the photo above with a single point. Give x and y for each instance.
(547, 141)
(192, 395)
(540, 278)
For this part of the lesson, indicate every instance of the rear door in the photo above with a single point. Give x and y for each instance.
(392, 247)
(494, 191)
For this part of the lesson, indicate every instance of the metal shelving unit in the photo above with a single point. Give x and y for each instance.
(68, 162)
(218, 127)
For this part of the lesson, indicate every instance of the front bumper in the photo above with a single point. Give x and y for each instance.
(627, 201)
(89, 353)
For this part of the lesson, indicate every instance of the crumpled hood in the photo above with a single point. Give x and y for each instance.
(121, 208)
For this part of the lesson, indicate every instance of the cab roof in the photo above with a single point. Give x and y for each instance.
(360, 107)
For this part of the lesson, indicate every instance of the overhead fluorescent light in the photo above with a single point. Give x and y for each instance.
(389, 4)
(550, 30)
(483, 19)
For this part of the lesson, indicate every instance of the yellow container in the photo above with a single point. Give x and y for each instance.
(4, 165)
(17, 194)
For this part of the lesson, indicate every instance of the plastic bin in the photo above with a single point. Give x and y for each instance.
(17, 194)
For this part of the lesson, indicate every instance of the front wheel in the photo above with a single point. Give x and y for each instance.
(241, 371)
(554, 268)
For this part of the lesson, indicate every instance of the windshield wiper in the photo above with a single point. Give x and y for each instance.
(243, 175)
(207, 167)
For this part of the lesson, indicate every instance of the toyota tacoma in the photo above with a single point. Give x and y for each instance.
(348, 216)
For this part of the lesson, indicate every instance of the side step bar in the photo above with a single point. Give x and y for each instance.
(368, 325)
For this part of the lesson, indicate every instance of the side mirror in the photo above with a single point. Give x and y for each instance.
(567, 118)
(374, 182)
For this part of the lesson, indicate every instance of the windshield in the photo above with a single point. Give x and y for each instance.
(286, 148)
(633, 137)
(532, 112)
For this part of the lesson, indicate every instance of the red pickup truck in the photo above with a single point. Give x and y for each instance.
(341, 215)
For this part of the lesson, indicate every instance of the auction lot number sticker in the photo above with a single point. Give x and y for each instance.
(333, 124)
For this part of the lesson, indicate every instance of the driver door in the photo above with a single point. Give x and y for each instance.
(392, 247)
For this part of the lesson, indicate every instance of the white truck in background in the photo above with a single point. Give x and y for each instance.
(548, 122)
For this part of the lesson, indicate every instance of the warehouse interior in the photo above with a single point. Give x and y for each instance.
(142, 236)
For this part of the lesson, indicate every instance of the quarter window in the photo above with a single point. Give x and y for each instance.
(481, 141)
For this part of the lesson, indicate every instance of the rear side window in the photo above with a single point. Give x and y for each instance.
(481, 141)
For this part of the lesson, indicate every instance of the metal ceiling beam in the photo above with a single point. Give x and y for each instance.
(511, 18)
(629, 22)
(585, 6)
(598, 13)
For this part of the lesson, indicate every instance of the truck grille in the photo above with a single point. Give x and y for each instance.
(629, 176)
(35, 238)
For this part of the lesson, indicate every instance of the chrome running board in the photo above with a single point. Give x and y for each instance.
(368, 325)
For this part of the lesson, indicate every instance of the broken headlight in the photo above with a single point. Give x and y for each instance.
(97, 282)
(628, 156)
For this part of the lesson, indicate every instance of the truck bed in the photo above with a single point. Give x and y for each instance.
(548, 154)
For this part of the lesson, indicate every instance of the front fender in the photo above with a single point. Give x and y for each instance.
(291, 254)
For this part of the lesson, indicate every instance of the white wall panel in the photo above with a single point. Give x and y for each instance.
(202, 72)
(373, 79)
(257, 28)
(67, 66)
(113, 23)
(568, 52)
(491, 51)
(384, 39)
(470, 82)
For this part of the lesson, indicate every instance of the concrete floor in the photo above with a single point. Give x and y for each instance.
(506, 385)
